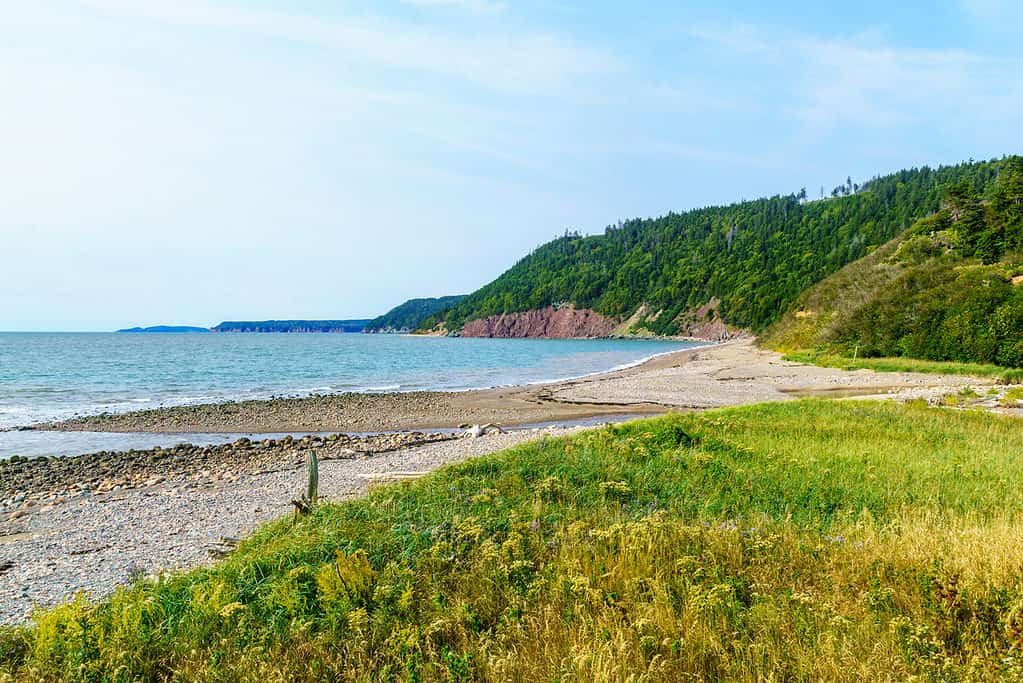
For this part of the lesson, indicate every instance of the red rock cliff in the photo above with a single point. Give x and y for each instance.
(545, 323)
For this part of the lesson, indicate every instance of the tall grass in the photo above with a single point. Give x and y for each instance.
(899, 364)
(807, 540)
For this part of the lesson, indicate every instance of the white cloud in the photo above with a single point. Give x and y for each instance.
(517, 63)
(864, 81)
(474, 6)
(877, 84)
(738, 38)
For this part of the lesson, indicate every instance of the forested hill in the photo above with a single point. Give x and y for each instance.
(411, 314)
(949, 288)
(755, 256)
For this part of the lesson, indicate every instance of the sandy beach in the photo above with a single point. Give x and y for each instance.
(91, 524)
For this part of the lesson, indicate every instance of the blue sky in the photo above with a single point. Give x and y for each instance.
(188, 161)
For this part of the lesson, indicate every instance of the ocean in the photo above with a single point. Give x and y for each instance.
(49, 376)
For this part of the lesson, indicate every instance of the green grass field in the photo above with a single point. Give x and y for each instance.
(807, 540)
(986, 370)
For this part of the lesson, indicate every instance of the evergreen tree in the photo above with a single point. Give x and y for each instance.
(1007, 202)
(967, 216)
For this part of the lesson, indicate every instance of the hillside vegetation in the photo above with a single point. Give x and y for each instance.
(754, 257)
(808, 540)
(947, 289)
(411, 314)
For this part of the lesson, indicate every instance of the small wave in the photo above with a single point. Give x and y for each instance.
(16, 410)
(386, 387)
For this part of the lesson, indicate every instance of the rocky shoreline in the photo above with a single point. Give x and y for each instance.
(352, 412)
(27, 482)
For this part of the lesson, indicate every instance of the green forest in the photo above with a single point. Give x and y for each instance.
(756, 257)
(949, 288)
(411, 314)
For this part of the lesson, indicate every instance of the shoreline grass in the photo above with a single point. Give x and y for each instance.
(1000, 374)
(806, 540)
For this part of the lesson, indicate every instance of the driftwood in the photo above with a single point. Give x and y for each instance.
(476, 431)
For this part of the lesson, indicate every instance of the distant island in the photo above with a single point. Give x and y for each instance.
(285, 326)
(175, 329)
(292, 326)
(410, 315)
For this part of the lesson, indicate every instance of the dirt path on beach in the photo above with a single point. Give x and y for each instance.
(732, 373)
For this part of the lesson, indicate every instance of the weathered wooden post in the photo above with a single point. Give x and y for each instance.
(313, 485)
(307, 501)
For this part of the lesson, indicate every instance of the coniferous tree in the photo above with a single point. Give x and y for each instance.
(1007, 202)
(967, 216)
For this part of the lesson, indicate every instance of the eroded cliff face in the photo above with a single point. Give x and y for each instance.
(544, 323)
(566, 322)
(705, 323)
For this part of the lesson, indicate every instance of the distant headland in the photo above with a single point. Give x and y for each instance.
(405, 317)
(350, 326)
(175, 329)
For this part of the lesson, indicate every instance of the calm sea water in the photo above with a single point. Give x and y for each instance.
(48, 376)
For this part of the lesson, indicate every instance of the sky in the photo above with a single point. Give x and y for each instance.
(192, 161)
